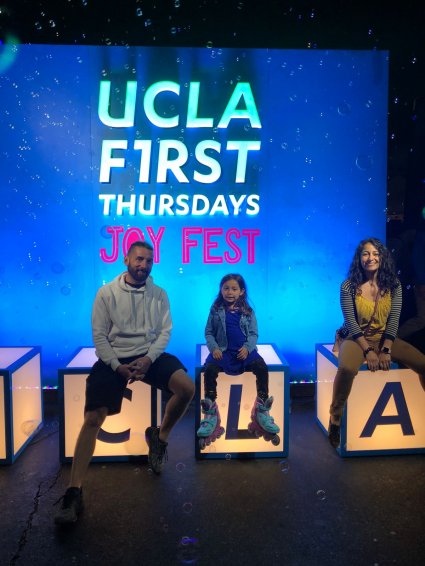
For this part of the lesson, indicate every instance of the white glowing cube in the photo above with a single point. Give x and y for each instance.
(122, 436)
(236, 395)
(384, 413)
(21, 405)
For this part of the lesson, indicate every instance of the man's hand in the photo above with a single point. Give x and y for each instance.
(139, 368)
(125, 371)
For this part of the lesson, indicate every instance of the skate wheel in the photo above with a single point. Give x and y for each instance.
(202, 444)
(276, 440)
(220, 432)
(250, 428)
(207, 442)
(257, 434)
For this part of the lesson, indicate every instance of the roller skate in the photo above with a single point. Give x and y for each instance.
(210, 427)
(262, 424)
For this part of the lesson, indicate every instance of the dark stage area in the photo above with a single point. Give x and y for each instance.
(313, 508)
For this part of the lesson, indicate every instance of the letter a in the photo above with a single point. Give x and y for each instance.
(402, 417)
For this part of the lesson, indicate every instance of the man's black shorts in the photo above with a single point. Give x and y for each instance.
(105, 387)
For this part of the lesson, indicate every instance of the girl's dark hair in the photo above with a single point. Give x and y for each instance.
(242, 303)
(387, 279)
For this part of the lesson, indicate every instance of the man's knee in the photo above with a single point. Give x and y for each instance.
(95, 418)
(182, 385)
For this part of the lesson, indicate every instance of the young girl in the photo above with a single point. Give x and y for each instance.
(231, 334)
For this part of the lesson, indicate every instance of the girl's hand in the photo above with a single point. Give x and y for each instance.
(242, 354)
(384, 361)
(217, 354)
(372, 361)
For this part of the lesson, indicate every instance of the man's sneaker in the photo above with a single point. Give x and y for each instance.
(72, 506)
(334, 434)
(157, 449)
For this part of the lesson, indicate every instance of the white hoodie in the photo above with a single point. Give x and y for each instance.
(127, 322)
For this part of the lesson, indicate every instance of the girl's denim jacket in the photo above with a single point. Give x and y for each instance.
(215, 330)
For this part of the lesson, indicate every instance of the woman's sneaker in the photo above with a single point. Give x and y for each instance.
(72, 506)
(157, 449)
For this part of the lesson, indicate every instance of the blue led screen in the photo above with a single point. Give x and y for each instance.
(268, 163)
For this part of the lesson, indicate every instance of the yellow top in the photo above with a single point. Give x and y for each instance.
(365, 307)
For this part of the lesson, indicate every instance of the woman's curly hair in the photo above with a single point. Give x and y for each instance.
(386, 278)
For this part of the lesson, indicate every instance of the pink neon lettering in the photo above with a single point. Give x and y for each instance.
(131, 235)
(233, 246)
(115, 231)
(209, 245)
(187, 244)
(251, 233)
(156, 239)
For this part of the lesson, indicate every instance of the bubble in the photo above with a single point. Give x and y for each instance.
(321, 494)
(139, 12)
(57, 267)
(228, 457)
(284, 466)
(364, 162)
(187, 550)
(187, 507)
(180, 467)
(344, 109)
(209, 44)
(66, 290)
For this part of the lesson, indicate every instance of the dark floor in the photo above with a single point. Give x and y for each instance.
(312, 508)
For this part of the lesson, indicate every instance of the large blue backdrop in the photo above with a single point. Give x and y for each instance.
(268, 163)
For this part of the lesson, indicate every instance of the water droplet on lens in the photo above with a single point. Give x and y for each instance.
(187, 507)
(180, 466)
(321, 494)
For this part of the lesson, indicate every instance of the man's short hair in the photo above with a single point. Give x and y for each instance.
(140, 244)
